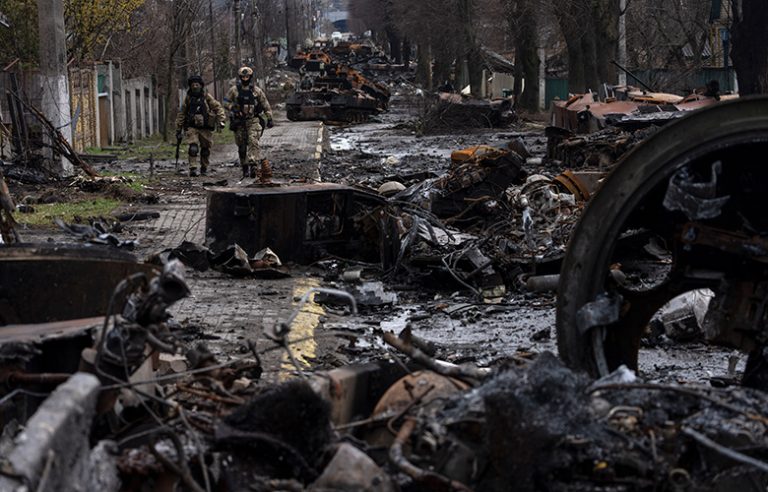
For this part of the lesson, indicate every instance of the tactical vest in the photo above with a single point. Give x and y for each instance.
(197, 112)
(247, 102)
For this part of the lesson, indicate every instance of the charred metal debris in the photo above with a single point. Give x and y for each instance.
(100, 390)
(138, 415)
(593, 133)
(339, 84)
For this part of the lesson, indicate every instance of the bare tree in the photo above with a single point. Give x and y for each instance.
(181, 15)
(670, 38)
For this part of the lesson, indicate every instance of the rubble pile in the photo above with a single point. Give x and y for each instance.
(600, 150)
(487, 219)
(192, 422)
(449, 111)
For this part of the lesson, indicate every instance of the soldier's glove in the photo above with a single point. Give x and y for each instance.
(179, 134)
(220, 126)
(270, 123)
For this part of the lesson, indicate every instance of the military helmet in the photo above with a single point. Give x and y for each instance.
(245, 72)
(195, 78)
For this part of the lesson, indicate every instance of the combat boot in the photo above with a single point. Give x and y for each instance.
(203, 170)
(192, 172)
(245, 172)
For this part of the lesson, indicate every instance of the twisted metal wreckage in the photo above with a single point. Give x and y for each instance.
(680, 212)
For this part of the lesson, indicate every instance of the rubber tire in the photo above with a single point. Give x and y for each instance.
(585, 265)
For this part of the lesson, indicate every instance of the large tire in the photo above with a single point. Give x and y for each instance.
(585, 266)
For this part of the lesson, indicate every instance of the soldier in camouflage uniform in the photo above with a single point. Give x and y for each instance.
(200, 114)
(249, 112)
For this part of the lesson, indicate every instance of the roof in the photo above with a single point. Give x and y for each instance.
(496, 62)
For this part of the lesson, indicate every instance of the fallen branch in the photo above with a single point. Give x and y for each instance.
(440, 367)
(730, 453)
(681, 390)
(60, 143)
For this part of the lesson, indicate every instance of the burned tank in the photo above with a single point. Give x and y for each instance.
(682, 212)
(337, 93)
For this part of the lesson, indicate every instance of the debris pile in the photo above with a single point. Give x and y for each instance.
(430, 425)
(586, 132)
(449, 111)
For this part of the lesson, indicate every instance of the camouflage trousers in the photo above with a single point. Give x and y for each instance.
(200, 143)
(247, 140)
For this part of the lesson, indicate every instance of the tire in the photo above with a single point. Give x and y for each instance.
(586, 263)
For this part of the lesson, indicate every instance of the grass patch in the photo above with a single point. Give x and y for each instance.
(46, 212)
(152, 146)
(155, 146)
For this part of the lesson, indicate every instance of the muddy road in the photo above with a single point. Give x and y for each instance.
(224, 312)
(522, 323)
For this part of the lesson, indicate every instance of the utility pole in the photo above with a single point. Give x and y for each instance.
(238, 54)
(53, 74)
(213, 49)
(622, 41)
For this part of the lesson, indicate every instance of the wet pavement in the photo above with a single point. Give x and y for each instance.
(225, 312)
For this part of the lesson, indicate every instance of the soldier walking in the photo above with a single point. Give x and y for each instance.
(249, 114)
(200, 114)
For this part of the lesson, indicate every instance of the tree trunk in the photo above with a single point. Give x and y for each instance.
(606, 21)
(288, 37)
(443, 59)
(424, 66)
(589, 48)
(590, 39)
(749, 38)
(406, 52)
(527, 58)
(170, 114)
(470, 52)
(395, 50)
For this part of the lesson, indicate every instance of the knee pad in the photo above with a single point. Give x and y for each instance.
(193, 149)
(205, 152)
(242, 150)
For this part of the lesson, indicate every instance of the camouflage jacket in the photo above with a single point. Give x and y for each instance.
(215, 114)
(238, 100)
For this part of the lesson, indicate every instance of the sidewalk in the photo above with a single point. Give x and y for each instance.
(229, 310)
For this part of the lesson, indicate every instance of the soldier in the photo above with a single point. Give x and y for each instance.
(249, 111)
(199, 115)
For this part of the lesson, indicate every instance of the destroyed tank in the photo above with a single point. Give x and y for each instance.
(341, 94)
(682, 212)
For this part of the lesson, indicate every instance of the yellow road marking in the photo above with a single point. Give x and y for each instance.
(304, 326)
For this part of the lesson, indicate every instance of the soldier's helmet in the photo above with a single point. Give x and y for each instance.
(195, 78)
(245, 74)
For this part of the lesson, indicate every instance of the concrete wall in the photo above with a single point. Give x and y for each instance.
(142, 109)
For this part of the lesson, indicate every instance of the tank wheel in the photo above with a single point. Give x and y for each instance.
(694, 191)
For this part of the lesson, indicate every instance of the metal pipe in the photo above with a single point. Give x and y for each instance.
(647, 87)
